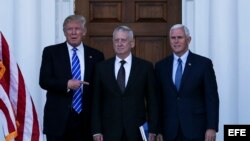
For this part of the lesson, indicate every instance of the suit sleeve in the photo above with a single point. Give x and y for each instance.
(96, 106)
(50, 78)
(152, 101)
(159, 97)
(212, 97)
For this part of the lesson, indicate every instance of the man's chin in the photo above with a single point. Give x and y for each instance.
(74, 44)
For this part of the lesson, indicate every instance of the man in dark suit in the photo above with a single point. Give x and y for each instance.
(117, 111)
(189, 106)
(62, 122)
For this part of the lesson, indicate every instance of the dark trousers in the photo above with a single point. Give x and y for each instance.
(124, 137)
(180, 137)
(77, 129)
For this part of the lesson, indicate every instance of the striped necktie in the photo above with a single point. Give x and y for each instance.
(76, 74)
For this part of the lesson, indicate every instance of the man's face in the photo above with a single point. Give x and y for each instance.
(122, 45)
(179, 41)
(74, 33)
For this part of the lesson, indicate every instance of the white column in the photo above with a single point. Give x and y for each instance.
(26, 47)
(196, 18)
(224, 53)
(6, 16)
(243, 61)
(188, 17)
(201, 30)
(64, 8)
(48, 22)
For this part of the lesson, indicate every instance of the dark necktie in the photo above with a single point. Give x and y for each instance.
(178, 74)
(76, 73)
(121, 76)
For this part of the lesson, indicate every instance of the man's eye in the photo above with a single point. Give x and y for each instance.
(178, 37)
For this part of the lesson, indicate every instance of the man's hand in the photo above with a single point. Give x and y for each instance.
(98, 137)
(210, 135)
(159, 137)
(151, 137)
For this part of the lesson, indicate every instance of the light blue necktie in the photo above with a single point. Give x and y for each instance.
(178, 74)
(76, 74)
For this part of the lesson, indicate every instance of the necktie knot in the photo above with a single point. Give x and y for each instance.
(179, 61)
(122, 62)
(74, 49)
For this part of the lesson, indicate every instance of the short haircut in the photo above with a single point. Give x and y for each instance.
(71, 18)
(177, 26)
(124, 29)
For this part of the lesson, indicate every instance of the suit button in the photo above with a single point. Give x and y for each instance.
(178, 98)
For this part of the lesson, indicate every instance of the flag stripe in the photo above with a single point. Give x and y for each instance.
(21, 106)
(6, 112)
(6, 61)
(35, 128)
(7, 116)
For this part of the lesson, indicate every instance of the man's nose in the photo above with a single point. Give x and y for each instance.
(176, 39)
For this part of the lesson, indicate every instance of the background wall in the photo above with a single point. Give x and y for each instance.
(219, 30)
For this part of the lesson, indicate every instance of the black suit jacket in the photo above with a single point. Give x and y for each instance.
(55, 72)
(114, 111)
(195, 107)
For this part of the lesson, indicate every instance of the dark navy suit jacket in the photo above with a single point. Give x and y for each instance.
(195, 107)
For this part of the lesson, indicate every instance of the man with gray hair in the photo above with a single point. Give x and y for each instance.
(124, 96)
(187, 90)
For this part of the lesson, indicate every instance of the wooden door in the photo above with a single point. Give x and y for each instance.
(149, 19)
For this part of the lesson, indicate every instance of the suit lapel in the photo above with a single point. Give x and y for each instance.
(65, 58)
(88, 63)
(133, 72)
(166, 72)
(187, 70)
(170, 70)
(111, 76)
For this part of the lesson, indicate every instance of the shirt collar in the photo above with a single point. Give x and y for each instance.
(183, 57)
(127, 59)
(80, 47)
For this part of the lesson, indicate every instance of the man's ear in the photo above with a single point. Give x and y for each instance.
(84, 31)
(132, 43)
(189, 39)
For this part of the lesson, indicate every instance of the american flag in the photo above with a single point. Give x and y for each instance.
(7, 116)
(22, 106)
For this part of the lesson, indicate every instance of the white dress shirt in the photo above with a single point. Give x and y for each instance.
(127, 67)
